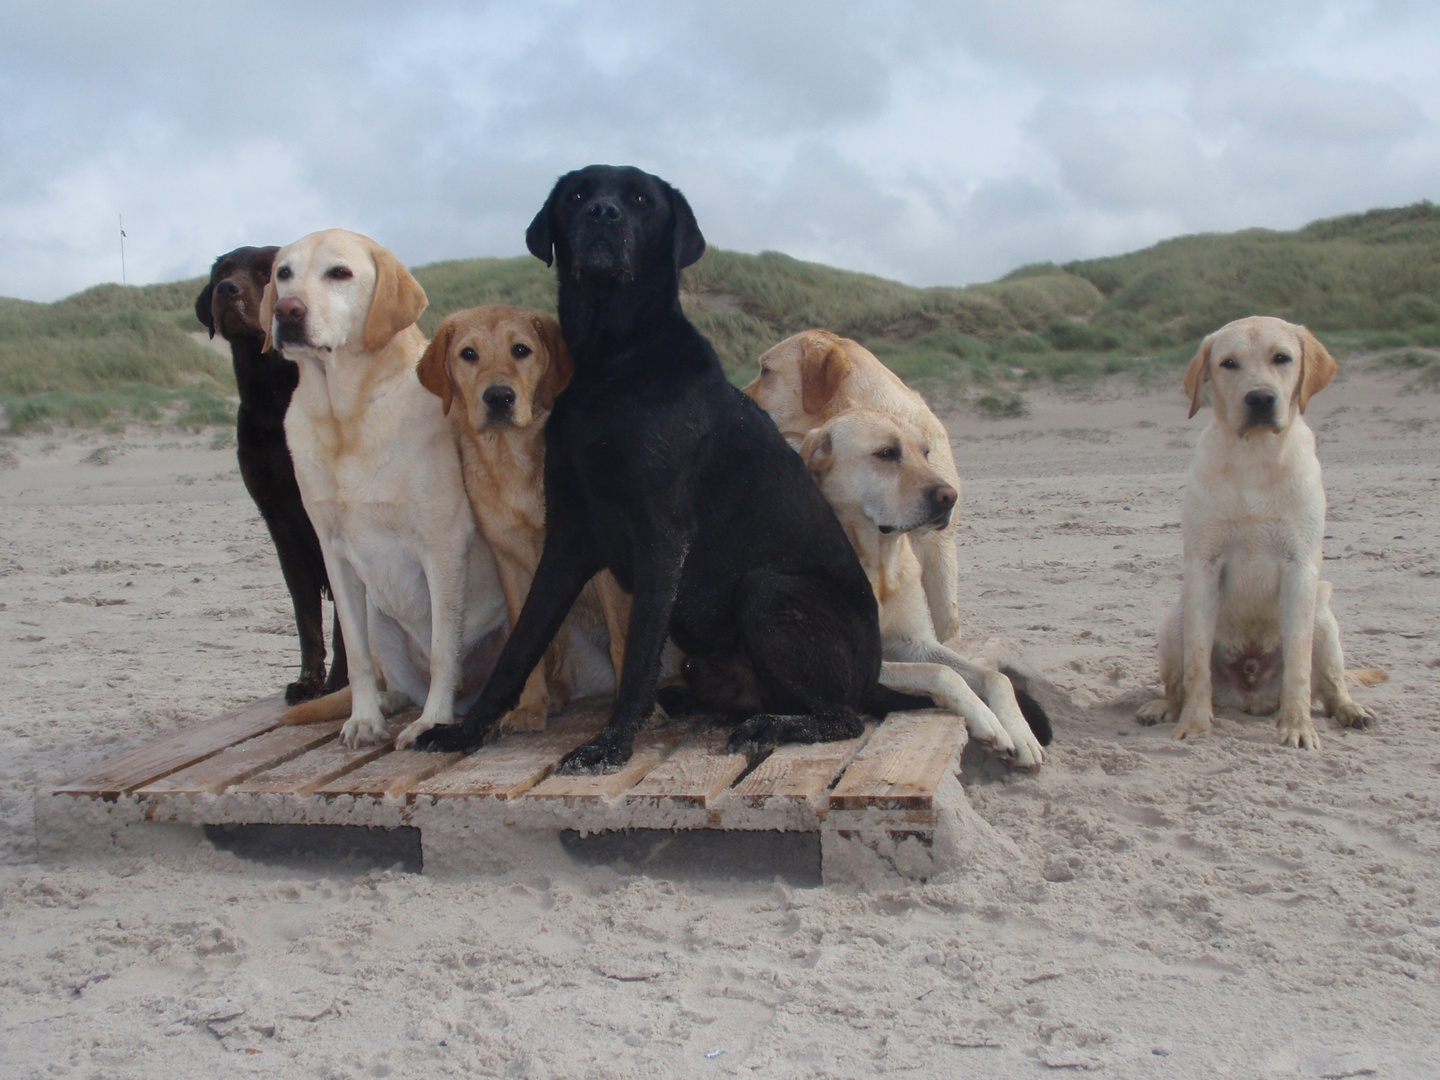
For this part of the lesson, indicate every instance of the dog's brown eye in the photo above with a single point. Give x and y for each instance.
(576, 197)
(339, 273)
(283, 274)
(889, 453)
(1281, 358)
(469, 355)
(1230, 365)
(519, 351)
(640, 200)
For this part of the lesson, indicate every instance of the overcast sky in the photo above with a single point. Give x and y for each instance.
(934, 142)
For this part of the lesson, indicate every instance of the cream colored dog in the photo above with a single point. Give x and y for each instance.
(379, 473)
(1253, 628)
(815, 375)
(876, 471)
(496, 371)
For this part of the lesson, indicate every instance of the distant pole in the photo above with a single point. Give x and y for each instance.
(122, 249)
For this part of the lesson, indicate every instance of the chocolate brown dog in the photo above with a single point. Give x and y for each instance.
(230, 306)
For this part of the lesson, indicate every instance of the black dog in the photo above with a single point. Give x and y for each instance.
(659, 469)
(230, 304)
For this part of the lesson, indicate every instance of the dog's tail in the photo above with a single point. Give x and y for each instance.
(337, 706)
(1369, 676)
(1034, 713)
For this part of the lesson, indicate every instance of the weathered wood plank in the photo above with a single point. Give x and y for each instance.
(302, 775)
(389, 776)
(238, 763)
(511, 766)
(695, 774)
(799, 771)
(651, 748)
(903, 764)
(161, 757)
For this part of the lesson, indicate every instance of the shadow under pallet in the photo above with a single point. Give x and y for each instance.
(885, 802)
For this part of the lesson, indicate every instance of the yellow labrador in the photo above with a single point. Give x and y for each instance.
(1253, 629)
(496, 370)
(876, 472)
(379, 473)
(814, 375)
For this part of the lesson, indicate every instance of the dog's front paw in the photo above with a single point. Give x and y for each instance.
(1159, 711)
(599, 756)
(406, 739)
(523, 718)
(1193, 723)
(1296, 728)
(362, 731)
(447, 738)
(1351, 714)
(1028, 753)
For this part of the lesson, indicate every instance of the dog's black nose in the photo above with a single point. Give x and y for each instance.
(1260, 401)
(942, 498)
(604, 210)
(290, 310)
(498, 399)
(228, 288)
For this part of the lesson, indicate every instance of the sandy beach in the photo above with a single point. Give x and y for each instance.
(1140, 908)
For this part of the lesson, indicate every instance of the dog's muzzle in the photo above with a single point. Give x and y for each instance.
(1260, 409)
(290, 315)
(499, 402)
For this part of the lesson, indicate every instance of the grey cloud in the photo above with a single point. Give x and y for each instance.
(935, 143)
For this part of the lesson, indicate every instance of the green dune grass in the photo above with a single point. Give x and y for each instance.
(1365, 282)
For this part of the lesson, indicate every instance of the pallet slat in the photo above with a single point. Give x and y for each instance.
(161, 757)
(651, 748)
(241, 761)
(799, 771)
(514, 764)
(302, 775)
(903, 764)
(696, 774)
(390, 776)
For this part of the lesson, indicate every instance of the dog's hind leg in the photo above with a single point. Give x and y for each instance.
(1327, 667)
(1165, 710)
(303, 567)
(817, 660)
(339, 676)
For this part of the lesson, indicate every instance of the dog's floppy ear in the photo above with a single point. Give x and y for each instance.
(559, 369)
(397, 303)
(1197, 373)
(689, 244)
(1317, 367)
(817, 450)
(539, 238)
(204, 304)
(823, 367)
(434, 368)
(267, 313)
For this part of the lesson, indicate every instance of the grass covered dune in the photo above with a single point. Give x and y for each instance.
(111, 355)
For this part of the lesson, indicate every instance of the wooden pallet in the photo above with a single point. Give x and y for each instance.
(886, 791)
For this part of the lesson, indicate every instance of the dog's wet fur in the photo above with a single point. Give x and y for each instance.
(661, 471)
(230, 306)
